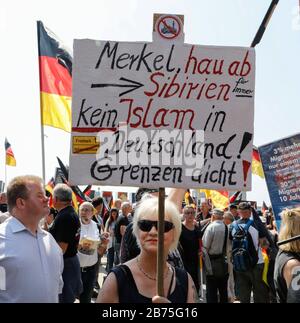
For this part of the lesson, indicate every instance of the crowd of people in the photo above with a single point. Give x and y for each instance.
(53, 254)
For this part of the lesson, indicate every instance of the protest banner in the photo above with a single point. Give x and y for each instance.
(162, 114)
(281, 164)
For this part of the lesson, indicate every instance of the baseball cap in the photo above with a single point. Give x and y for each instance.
(218, 212)
(244, 206)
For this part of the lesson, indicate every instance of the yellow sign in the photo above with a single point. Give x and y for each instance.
(85, 145)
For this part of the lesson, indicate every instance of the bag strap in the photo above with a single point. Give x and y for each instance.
(245, 228)
(235, 225)
(225, 240)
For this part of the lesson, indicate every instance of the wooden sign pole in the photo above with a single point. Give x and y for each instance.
(160, 253)
(166, 28)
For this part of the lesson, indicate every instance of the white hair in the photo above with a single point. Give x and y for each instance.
(88, 204)
(149, 206)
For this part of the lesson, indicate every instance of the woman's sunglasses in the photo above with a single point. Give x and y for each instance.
(146, 225)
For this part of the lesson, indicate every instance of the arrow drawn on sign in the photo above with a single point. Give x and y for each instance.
(133, 86)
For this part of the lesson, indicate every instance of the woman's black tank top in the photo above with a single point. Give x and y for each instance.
(280, 284)
(128, 292)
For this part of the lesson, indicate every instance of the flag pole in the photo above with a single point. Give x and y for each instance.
(5, 183)
(43, 146)
(41, 112)
(264, 24)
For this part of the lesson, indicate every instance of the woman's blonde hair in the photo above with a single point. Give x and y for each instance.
(290, 227)
(149, 206)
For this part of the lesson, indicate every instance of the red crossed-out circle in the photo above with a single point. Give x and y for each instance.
(162, 25)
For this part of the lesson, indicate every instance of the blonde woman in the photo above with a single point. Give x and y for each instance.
(135, 281)
(287, 264)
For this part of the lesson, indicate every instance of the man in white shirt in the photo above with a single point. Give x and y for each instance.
(31, 262)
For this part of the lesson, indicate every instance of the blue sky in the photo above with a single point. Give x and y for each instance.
(213, 22)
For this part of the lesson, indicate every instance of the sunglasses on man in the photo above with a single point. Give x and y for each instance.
(146, 225)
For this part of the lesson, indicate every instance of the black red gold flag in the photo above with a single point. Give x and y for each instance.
(55, 66)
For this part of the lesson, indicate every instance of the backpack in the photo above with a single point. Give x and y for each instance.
(244, 254)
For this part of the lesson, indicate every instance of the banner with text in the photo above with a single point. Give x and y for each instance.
(161, 114)
(281, 164)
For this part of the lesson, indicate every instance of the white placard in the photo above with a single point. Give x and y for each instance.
(162, 115)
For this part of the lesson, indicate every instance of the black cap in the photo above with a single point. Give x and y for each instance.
(244, 206)
(233, 206)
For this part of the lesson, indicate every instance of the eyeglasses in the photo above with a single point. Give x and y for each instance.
(189, 212)
(146, 225)
(86, 210)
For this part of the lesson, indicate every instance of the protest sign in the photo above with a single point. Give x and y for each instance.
(281, 164)
(162, 114)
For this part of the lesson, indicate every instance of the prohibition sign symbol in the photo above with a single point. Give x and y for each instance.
(168, 27)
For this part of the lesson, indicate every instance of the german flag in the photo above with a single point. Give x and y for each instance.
(257, 168)
(220, 199)
(188, 200)
(55, 80)
(234, 198)
(264, 207)
(49, 188)
(50, 185)
(9, 155)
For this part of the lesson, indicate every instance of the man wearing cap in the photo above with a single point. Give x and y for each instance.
(250, 280)
(215, 243)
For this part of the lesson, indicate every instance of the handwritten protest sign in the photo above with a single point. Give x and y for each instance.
(162, 114)
(281, 164)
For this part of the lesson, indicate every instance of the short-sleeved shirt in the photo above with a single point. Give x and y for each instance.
(122, 220)
(213, 238)
(200, 216)
(66, 228)
(30, 266)
(255, 233)
(88, 257)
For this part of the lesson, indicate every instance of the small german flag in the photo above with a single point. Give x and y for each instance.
(55, 80)
(10, 158)
(50, 185)
(49, 188)
(188, 198)
(234, 198)
(220, 199)
(257, 168)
